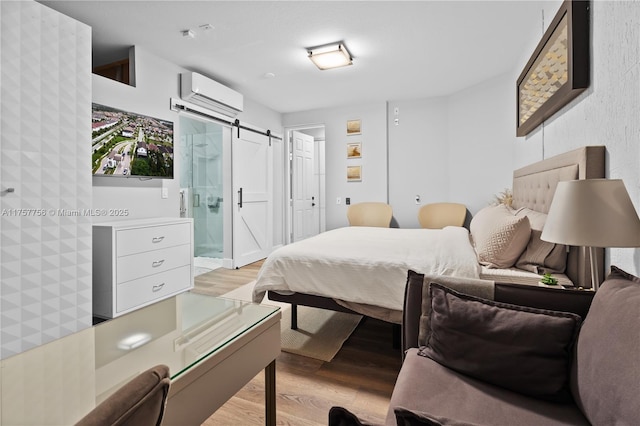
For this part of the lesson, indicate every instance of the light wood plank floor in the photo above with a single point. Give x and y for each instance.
(360, 377)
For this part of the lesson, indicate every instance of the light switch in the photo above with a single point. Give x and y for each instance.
(165, 192)
(338, 200)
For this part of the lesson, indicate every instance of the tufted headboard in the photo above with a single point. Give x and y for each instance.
(534, 186)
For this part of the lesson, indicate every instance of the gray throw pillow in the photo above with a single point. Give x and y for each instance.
(523, 349)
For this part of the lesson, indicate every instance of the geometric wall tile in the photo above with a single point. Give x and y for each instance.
(45, 110)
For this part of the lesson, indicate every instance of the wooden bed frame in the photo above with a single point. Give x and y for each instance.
(533, 187)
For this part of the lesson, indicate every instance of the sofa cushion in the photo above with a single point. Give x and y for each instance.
(524, 349)
(606, 377)
(472, 286)
(424, 386)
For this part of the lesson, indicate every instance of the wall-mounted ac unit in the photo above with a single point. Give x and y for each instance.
(210, 94)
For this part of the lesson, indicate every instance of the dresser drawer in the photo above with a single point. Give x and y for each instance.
(151, 262)
(130, 241)
(140, 292)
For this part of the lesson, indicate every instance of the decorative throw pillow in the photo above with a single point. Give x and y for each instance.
(405, 417)
(499, 236)
(606, 377)
(523, 349)
(540, 256)
(340, 416)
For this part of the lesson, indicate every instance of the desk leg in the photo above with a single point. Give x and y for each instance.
(270, 394)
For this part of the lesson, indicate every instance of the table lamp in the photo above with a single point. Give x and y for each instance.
(592, 213)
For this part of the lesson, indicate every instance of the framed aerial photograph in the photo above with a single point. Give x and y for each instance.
(354, 173)
(354, 127)
(558, 70)
(354, 150)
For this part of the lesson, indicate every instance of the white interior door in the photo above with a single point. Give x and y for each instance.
(304, 199)
(252, 196)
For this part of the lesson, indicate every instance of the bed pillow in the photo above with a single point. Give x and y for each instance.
(499, 237)
(540, 256)
(526, 350)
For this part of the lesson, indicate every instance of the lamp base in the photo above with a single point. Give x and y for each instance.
(595, 281)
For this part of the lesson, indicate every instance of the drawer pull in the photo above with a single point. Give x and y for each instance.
(157, 263)
(157, 239)
(157, 287)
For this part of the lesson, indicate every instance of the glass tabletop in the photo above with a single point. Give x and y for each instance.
(62, 380)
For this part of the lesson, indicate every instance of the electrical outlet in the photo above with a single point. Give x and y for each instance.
(347, 201)
(338, 200)
(165, 192)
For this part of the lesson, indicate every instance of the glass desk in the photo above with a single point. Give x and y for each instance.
(212, 345)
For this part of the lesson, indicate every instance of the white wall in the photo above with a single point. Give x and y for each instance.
(418, 148)
(605, 114)
(481, 134)
(374, 155)
(157, 80)
(457, 148)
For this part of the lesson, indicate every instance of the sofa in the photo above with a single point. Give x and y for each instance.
(484, 353)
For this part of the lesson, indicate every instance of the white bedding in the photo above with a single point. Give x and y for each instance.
(366, 265)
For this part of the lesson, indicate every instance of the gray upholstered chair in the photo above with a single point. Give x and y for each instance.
(140, 402)
(370, 214)
(439, 215)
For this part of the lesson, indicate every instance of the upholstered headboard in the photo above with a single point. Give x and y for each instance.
(534, 186)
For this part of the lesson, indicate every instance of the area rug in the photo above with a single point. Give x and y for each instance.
(320, 334)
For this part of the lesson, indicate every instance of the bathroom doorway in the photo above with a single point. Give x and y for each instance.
(202, 186)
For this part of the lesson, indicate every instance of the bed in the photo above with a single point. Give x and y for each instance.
(363, 270)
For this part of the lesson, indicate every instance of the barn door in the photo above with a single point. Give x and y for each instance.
(252, 196)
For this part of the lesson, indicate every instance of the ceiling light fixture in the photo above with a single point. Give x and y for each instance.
(330, 56)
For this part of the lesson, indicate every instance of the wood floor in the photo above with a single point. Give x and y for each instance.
(360, 377)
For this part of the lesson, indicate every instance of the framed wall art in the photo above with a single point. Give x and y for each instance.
(558, 70)
(354, 150)
(354, 173)
(354, 127)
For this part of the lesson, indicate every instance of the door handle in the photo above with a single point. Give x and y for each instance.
(240, 198)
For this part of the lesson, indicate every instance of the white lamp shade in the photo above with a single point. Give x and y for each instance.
(592, 213)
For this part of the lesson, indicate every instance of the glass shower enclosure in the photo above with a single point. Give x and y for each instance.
(201, 193)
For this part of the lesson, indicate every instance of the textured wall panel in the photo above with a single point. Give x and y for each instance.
(45, 107)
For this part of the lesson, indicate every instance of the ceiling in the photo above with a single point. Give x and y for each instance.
(402, 50)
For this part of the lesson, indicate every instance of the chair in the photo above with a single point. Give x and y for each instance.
(370, 214)
(439, 215)
(140, 402)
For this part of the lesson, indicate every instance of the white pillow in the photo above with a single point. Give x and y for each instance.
(499, 237)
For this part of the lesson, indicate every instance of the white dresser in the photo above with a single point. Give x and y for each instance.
(139, 262)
